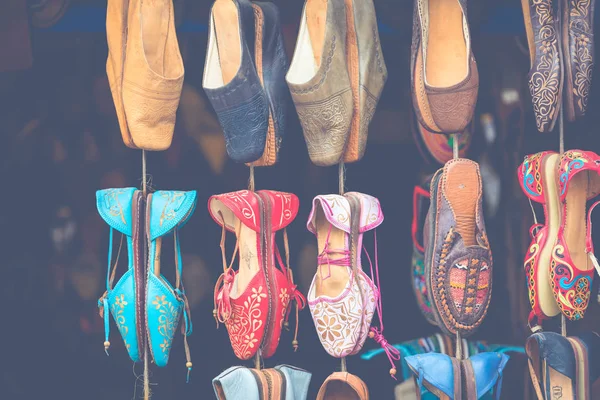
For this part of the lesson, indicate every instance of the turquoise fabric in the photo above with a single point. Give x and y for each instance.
(297, 382)
(237, 383)
(488, 368)
(115, 207)
(434, 368)
(169, 211)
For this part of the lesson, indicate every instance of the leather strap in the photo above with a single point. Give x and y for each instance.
(456, 368)
(468, 378)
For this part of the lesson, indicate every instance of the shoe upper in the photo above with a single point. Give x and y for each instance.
(236, 383)
(297, 382)
(241, 105)
(343, 321)
(255, 317)
(322, 93)
(115, 206)
(482, 373)
(459, 276)
(571, 280)
(165, 303)
(545, 76)
(441, 109)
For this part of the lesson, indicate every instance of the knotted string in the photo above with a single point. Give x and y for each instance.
(377, 334)
(324, 257)
(295, 295)
(222, 300)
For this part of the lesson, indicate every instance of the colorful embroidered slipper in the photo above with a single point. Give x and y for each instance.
(319, 82)
(537, 177)
(552, 366)
(458, 259)
(253, 302)
(166, 212)
(341, 305)
(271, 66)
(123, 210)
(573, 260)
(420, 207)
(342, 385)
(452, 379)
(231, 81)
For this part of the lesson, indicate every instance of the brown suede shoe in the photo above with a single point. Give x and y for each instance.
(458, 259)
(578, 54)
(444, 74)
(319, 82)
(116, 36)
(342, 385)
(367, 70)
(153, 74)
(545, 76)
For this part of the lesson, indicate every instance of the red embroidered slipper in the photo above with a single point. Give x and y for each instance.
(254, 300)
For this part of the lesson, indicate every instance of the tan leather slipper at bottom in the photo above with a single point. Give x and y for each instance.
(343, 386)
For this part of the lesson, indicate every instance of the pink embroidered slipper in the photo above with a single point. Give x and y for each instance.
(342, 298)
(573, 261)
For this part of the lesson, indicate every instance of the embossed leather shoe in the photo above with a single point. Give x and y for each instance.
(577, 20)
(319, 81)
(545, 75)
(367, 71)
(444, 74)
(153, 74)
(166, 212)
(231, 81)
(458, 258)
(537, 177)
(254, 301)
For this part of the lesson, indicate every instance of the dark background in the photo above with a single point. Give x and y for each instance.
(61, 143)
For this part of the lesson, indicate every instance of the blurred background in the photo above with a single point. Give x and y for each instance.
(61, 143)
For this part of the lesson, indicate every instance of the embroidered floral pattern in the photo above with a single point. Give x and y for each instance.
(544, 77)
(569, 163)
(531, 176)
(529, 264)
(118, 312)
(167, 320)
(246, 323)
(343, 325)
(174, 201)
(580, 33)
(111, 198)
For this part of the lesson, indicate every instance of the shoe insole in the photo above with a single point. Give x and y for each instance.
(574, 232)
(338, 390)
(316, 19)
(583, 372)
(545, 294)
(326, 284)
(533, 353)
(560, 386)
(446, 63)
(461, 188)
(248, 266)
(226, 18)
(155, 21)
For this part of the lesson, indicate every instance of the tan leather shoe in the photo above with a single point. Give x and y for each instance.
(444, 74)
(367, 71)
(319, 82)
(153, 74)
(116, 36)
(342, 385)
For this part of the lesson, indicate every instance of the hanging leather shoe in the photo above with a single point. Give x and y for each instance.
(153, 74)
(319, 82)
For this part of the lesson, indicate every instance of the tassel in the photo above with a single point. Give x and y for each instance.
(106, 312)
(392, 352)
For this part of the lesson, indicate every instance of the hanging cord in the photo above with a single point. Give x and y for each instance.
(459, 353)
(295, 295)
(561, 149)
(251, 180)
(103, 308)
(392, 353)
(341, 177)
(222, 301)
(454, 137)
(146, 350)
(186, 327)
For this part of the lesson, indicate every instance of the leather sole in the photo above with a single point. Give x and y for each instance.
(568, 101)
(351, 152)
